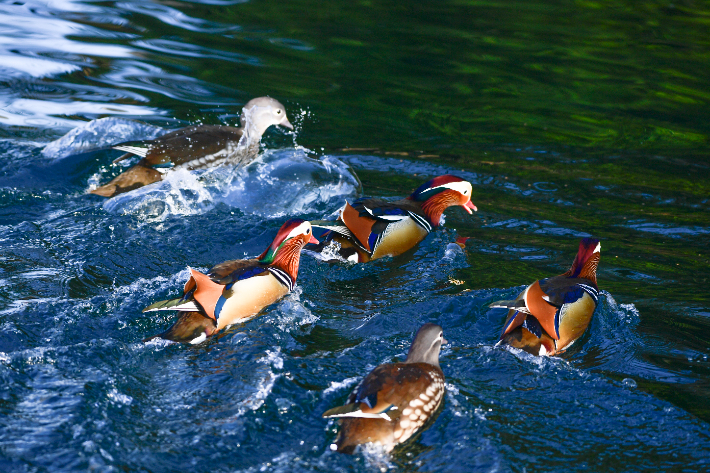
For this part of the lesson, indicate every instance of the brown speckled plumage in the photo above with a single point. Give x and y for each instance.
(396, 400)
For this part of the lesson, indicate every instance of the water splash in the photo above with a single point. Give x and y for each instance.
(291, 312)
(338, 385)
(98, 134)
(280, 183)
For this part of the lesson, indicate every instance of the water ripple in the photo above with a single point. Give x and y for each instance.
(174, 17)
(669, 230)
(185, 49)
(144, 76)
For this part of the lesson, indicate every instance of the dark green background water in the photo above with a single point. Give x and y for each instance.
(570, 118)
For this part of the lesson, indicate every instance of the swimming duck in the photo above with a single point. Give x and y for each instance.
(235, 291)
(395, 400)
(197, 147)
(372, 228)
(549, 315)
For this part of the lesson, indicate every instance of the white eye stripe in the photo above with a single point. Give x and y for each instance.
(299, 230)
(463, 187)
(598, 248)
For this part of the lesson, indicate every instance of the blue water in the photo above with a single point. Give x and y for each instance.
(378, 112)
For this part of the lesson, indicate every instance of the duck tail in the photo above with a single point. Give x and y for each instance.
(342, 411)
(334, 226)
(518, 304)
(132, 148)
(191, 327)
(173, 304)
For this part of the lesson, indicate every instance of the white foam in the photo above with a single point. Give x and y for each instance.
(338, 385)
(142, 286)
(330, 252)
(480, 413)
(263, 389)
(376, 457)
(631, 310)
(273, 358)
(628, 312)
(119, 398)
(290, 312)
(265, 385)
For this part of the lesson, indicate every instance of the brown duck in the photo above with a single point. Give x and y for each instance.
(551, 314)
(197, 147)
(395, 400)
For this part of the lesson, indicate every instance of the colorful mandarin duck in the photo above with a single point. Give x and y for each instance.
(372, 228)
(549, 315)
(235, 291)
(197, 147)
(395, 400)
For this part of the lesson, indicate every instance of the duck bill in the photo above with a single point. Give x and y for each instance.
(313, 240)
(469, 206)
(286, 123)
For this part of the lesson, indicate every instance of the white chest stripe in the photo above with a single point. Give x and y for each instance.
(421, 221)
(591, 291)
(282, 277)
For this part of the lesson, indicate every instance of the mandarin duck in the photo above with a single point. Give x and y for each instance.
(395, 400)
(197, 147)
(235, 291)
(551, 314)
(369, 228)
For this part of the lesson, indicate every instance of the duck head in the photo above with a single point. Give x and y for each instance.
(262, 112)
(285, 251)
(442, 192)
(426, 345)
(587, 259)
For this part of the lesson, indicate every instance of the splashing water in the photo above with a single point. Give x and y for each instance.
(304, 184)
(98, 134)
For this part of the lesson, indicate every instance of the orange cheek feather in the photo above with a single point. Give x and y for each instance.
(543, 311)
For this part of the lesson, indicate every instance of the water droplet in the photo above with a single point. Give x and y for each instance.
(629, 383)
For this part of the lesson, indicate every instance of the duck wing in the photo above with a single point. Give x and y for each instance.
(184, 145)
(230, 272)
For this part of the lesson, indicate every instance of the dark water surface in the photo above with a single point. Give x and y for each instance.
(570, 119)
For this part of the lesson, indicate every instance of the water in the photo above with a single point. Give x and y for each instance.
(570, 119)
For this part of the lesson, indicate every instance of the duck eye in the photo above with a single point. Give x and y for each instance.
(465, 192)
(308, 231)
(278, 112)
